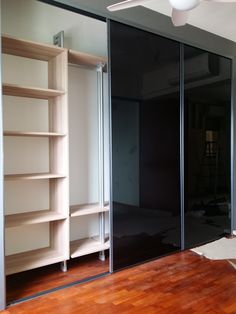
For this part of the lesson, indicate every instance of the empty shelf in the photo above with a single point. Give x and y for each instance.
(32, 259)
(81, 58)
(87, 209)
(29, 49)
(33, 176)
(30, 92)
(35, 217)
(87, 246)
(33, 134)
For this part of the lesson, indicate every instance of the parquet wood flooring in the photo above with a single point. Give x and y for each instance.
(31, 282)
(180, 283)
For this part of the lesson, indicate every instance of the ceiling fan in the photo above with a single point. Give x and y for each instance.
(180, 8)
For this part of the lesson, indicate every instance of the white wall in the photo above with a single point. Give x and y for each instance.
(38, 21)
(83, 123)
(32, 20)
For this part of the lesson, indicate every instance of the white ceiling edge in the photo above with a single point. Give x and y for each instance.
(214, 17)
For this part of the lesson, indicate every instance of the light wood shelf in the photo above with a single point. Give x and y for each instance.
(33, 134)
(87, 209)
(30, 92)
(33, 176)
(57, 59)
(56, 95)
(85, 59)
(29, 218)
(32, 259)
(29, 49)
(87, 246)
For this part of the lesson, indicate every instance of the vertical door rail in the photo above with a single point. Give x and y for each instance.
(2, 240)
(182, 154)
(101, 156)
(232, 150)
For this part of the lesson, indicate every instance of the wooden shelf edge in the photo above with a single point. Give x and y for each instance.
(87, 209)
(87, 246)
(33, 134)
(30, 92)
(33, 176)
(29, 49)
(29, 218)
(81, 58)
(32, 259)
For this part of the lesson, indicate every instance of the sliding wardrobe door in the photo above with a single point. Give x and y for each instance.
(207, 146)
(145, 145)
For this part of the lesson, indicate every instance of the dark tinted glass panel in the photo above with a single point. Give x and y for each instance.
(207, 143)
(145, 145)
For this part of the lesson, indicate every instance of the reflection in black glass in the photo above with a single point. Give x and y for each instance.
(145, 145)
(207, 146)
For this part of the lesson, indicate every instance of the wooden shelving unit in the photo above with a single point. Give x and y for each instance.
(87, 246)
(35, 217)
(87, 209)
(28, 260)
(85, 59)
(101, 243)
(30, 92)
(33, 176)
(56, 95)
(32, 134)
(29, 49)
(59, 214)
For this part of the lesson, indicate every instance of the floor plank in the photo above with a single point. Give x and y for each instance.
(31, 282)
(179, 283)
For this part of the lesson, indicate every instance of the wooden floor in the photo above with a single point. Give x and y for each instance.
(31, 282)
(180, 283)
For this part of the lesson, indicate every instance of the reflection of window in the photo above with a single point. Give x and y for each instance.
(211, 143)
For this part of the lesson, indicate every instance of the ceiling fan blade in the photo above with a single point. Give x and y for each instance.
(179, 18)
(125, 4)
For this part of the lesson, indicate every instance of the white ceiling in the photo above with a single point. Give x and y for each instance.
(214, 17)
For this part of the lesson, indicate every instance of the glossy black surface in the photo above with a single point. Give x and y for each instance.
(207, 146)
(145, 145)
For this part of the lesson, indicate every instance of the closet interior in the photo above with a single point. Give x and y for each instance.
(55, 166)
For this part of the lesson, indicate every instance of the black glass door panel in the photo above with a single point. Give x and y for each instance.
(207, 146)
(145, 145)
